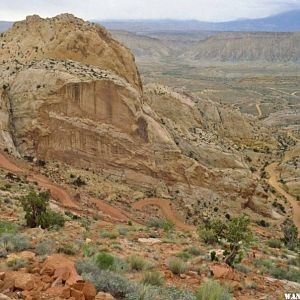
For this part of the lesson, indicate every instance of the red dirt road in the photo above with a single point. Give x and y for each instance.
(166, 208)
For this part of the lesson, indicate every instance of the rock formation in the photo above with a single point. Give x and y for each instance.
(70, 92)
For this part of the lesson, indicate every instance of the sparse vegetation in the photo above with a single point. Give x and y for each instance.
(176, 266)
(153, 278)
(137, 263)
(211, 290)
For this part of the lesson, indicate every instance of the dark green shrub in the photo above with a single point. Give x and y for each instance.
(104, 261)
(273, 243)
(290, 234)
(37, 212)
(234, 231)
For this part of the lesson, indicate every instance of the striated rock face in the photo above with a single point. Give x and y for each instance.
(69, 92)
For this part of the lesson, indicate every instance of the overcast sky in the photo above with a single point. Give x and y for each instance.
(206, 10)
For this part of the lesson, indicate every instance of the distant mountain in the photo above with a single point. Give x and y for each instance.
(269, 47)
(283, 22)
(5, 25)
(231, 47)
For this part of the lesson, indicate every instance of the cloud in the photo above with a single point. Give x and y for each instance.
(207, 10)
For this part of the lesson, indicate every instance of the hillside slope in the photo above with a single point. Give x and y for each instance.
(251, 47)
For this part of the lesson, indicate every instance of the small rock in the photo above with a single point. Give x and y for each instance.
(150, 241)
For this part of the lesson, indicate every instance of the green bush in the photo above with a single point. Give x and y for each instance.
(212, 290)
(153, 278)
(234, 231)
(290, 234)
(110, 234)
(88, 250)
(164, 224)
(274, 243)
(104, 261)
(37, 212)
(7, 227)
(137, 263)
(176, 266)
(51, 219)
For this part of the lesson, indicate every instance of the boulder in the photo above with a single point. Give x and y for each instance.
(104, 296)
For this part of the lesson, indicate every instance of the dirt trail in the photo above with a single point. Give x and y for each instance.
(59, 193)
(273, 181)
(166, 208)
(258, 110)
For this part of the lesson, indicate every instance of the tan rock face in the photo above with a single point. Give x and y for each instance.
(66, 37)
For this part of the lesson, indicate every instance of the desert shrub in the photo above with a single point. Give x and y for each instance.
(7, 227)
(104, 261)
(119, 265)
(88, 250)
(122, 288)
(153, 278)
(79, 182)
(45, 247)
(148, 292)
(37, 212)
(212, 290)
(68, 249)
(242, 268)
(234, 232)
(290, 274)
(290, 234)
(122, 230)
(14, 242)
(86, 266)
(50, 219)
(176, 266)
(110, 234)
(17, 263)
(193, 251)
(137, 263)
(184, 255)
(274, 243)
(110, 282)
(164, 224)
